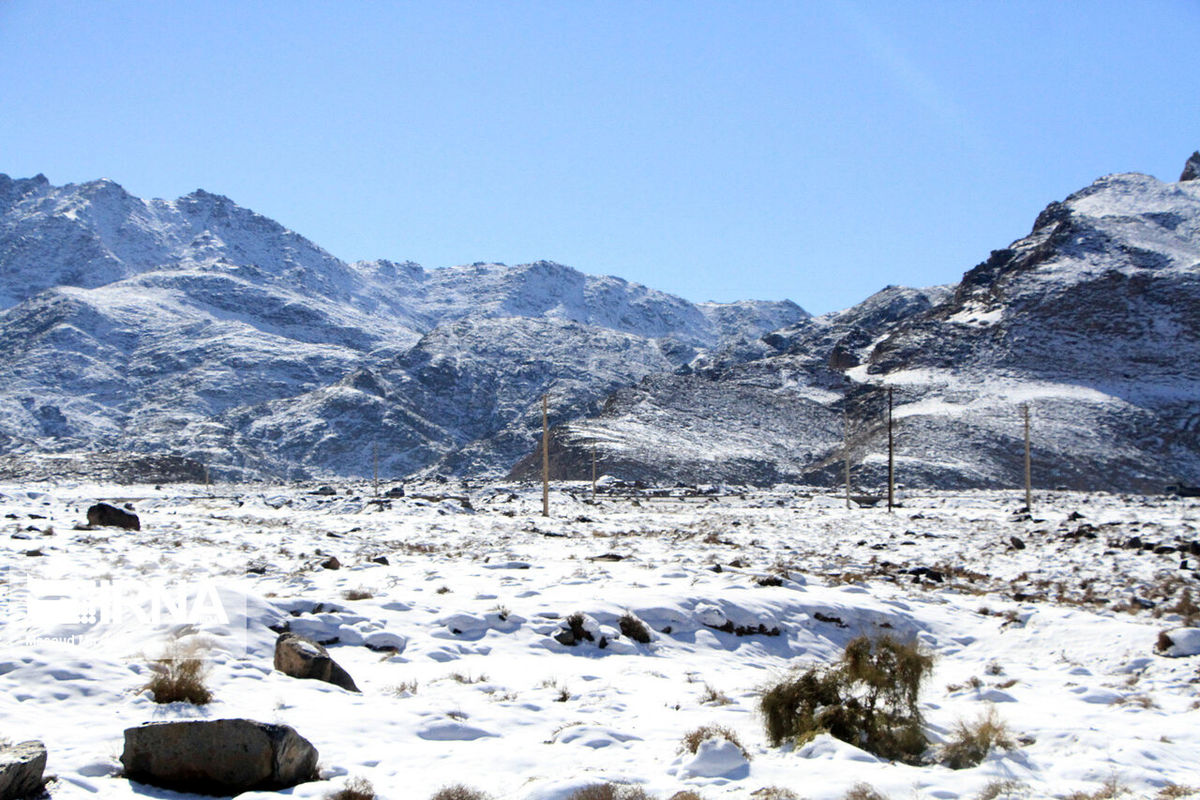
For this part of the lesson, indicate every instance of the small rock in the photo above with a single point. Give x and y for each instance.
(21, 768)
(331, 563)
(304, 658)
(111, 516)
(224, 756)
(1016, 543)
(380, 560)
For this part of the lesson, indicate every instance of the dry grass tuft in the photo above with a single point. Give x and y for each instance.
(1172, 791)
(355, 789)
(179, 675)
(358, 594)
(634, 628)
(610, 791)
(460, 791)
(712, 696)
(863, 791)
(406, 689)
(774, 793)
(692, 739)
(467, 678)
(1111, 789)
(971, 743)
(1004, 790)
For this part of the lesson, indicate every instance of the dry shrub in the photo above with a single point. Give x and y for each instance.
(714, 696)
(774, 793)
(179, 675)
(358, 594)
(460, 791)
(971, 742)
(999, 789)
(610, 791)
(868, 698)
(355, 789)
(685, 795)
(692, 739)
(1173, 790)
(634, 628)
(1109, 790)
(863, 791)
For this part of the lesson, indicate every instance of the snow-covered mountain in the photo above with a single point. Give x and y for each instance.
(199, 328)
(1092, 320)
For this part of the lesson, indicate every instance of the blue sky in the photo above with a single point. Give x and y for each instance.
(716, 150)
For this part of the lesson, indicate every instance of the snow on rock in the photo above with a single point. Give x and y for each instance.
(1179, 642)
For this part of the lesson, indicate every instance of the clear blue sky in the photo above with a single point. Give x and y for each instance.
(718, 150)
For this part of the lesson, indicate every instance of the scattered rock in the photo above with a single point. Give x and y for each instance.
(927, 573)
(104, 514)
(331, 563)
(224, 756)
(324, 491)
(380, 560)
(304, 658)
(21, 768)
(1016, 543)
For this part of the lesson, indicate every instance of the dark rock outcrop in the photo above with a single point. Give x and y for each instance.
(111, 516)
(1191, 170)
(21, 769)
(223, 756)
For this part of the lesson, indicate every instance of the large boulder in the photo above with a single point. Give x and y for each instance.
(21, 768)
(104, 514)
(223, 756)
(304, 658)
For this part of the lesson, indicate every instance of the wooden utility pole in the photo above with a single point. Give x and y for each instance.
(545, 457)
(376, 460)
(891, 457)
(846, 449)
(593, 471)
(1028, 464)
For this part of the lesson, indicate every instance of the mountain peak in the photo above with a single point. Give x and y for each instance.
(1191, 170)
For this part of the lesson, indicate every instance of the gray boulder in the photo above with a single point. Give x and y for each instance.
(223, 756)
(304, 658)
(21, 768)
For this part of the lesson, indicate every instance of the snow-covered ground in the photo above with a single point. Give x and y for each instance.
(1051, 619)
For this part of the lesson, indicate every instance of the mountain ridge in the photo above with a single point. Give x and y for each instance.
(1090, 320)
(201, 329)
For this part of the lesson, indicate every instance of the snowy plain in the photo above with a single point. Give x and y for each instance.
(1049, 618)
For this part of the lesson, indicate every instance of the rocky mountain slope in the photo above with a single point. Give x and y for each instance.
(1091, 320)
(203, 330)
